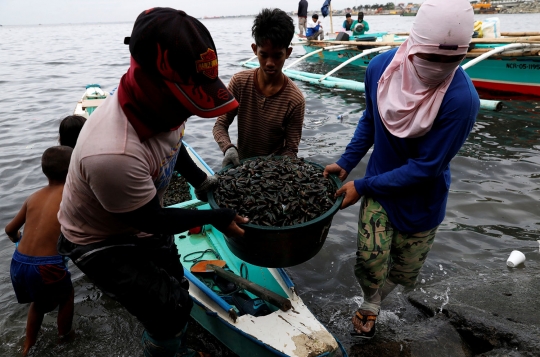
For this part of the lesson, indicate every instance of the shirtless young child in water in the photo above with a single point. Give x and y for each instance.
(38, 273)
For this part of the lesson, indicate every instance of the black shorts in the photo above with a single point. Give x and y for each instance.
(143, 274)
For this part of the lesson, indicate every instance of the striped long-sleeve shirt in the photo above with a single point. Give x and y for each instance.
(266, 125)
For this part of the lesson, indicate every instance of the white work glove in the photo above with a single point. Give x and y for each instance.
(208, 185)
(231, 157)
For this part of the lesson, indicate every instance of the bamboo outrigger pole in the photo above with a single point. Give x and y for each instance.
(519, 34)
(531, 39)
(525, 39)
(492, 52)
(363, 54)
(331, 25)
(353, 43)
(251, 59)
(329, 48)
(509, 34)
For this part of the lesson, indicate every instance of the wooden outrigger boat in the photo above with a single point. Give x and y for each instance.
(286, 328)
(93, 96)
(508, 64)
(329, 81)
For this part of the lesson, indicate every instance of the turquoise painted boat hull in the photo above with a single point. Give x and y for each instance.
(508, 74)
(246, 335)
(520, 75)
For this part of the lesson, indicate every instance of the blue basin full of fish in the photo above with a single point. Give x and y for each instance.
(290, 205)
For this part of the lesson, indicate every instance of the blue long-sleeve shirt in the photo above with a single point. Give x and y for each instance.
(411, 178)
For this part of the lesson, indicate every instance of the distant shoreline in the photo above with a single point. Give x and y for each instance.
(516, 11)
(223, 17)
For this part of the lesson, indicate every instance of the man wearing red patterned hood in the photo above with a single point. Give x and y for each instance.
(113, 225)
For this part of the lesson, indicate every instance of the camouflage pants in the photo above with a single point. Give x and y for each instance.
(385, 253)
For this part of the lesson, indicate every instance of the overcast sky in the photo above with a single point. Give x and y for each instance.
(33, 12)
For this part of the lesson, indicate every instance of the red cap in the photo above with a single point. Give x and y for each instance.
(178, 48)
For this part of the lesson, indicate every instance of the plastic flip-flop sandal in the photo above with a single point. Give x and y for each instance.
(359, 335)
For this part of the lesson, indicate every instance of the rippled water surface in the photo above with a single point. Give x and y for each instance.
(492, 209)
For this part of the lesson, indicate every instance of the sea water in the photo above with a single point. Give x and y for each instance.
(492, 208)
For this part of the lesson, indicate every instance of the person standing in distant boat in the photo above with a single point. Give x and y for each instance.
(314, 29)
(114, 227)
(348, 22)
(271, 107)
(360, 26)
(302, 16)
(420, 108)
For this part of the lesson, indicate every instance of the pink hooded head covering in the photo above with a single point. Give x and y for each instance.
(411, 89)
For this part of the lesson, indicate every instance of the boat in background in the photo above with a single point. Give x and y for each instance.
(342, 51)
(408, 13)
(93, 96)
(508, 64)
(484, 7)
(505, 68)
(262, 315)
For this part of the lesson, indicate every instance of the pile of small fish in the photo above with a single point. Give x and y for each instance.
(276, 191)
(177, 191)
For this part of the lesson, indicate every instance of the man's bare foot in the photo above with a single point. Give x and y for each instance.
(366, 324)
(26, 349)
(68, 337)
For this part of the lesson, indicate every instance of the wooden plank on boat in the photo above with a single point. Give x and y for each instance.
(519, 34)
(260, 291)
(526, 52)
(352, 43)
(91, 103)
(509, 34)
(526, 39)
(521, 53)
(531, 39)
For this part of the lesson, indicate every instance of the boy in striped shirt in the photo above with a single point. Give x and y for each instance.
(271, 107)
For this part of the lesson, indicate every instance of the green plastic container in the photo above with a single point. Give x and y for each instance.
(280, 247)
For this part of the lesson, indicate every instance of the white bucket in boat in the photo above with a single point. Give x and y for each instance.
(491, 27)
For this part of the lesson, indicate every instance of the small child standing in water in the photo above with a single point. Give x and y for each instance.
(38, 273)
